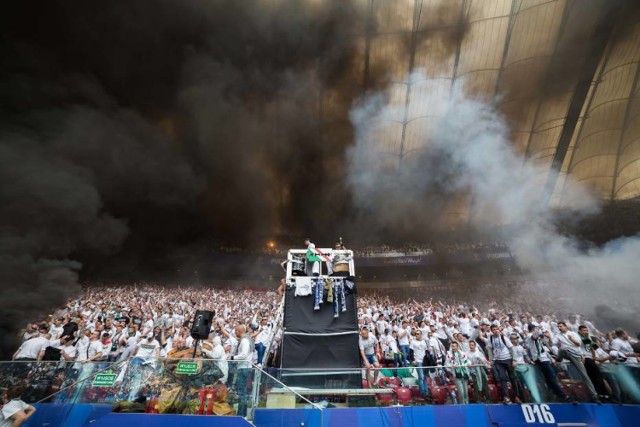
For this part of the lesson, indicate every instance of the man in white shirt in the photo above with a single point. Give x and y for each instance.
(56, 329)
(501, 357)
(464, 325)
(69, 351)
(262, 338)
(570, 348)
(403, 341)
(622, 345)
(242, 358)
(82, 345)
(368, 345)
(148, 349)
(524, 371)
(94, 350)
(540, 355)
(33, 349)
(436, 345)
(15, 412)
(419, 347)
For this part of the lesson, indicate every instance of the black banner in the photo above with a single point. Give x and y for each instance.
(320, 351)
(299, 315)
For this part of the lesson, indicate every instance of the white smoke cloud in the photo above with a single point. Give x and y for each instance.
(459, 146)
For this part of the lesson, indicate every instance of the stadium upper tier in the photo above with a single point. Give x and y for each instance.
(564, 73)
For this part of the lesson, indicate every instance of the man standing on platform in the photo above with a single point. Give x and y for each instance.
(314, 260)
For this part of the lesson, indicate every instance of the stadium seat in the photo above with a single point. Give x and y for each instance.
(395, 381)
(403, 395)
(472, 393)
(385, 399)
(365, 383)
(580, 392)
(494, 393)
(415, 391)
(389, 382)
(439, 394)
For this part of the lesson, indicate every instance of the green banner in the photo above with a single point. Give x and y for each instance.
(187, 368)
(104, 380)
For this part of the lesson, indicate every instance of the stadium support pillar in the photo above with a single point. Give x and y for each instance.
(609, 14)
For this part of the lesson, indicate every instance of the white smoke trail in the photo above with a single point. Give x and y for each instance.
(463, 146)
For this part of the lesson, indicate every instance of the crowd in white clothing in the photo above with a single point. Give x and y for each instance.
(114, 323)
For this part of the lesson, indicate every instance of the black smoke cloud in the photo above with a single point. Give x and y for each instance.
(130, 130)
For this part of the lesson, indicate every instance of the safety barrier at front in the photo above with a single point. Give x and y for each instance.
(78, 394)
(75, 393)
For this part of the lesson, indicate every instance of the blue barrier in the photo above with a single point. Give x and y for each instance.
(95, 415)
(530, 415)
(590, 415)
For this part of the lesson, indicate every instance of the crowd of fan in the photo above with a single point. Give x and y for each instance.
(506, 337)
(114, 323)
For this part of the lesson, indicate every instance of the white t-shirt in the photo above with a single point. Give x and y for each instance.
(368, 345)
(147, 349)
(95, 347)
(465, 326)
(624, 347)
(419, 349)
(70, 350)
(437, 347)
(392, 344)
(500, 347)
(82, 345)
(55, 331)
(31, 349)
(565, 341)
(403, 336)
(381, 325)
(9, 410)
(519, 354)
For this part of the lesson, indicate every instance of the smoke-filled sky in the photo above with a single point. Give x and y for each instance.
(132, 130)
(467, 151)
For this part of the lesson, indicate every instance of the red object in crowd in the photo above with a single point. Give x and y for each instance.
(152, 406)
(385, 399)
(494, 393)
(389, 382)
(207, 397)
(403, 394)
(439, 394)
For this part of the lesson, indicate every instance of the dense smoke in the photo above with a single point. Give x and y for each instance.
(466, 149)
(132, 131)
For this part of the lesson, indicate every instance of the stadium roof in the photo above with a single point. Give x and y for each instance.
(563, 72)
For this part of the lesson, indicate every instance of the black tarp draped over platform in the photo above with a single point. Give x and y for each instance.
(315, 339)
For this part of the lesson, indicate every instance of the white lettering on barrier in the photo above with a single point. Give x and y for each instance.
(537, 414)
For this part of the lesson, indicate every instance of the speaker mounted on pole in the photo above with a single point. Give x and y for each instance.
(202, 324)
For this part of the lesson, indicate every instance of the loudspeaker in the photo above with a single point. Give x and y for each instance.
(202, 324)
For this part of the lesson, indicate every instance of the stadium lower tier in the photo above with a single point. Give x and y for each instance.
(590, 415)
